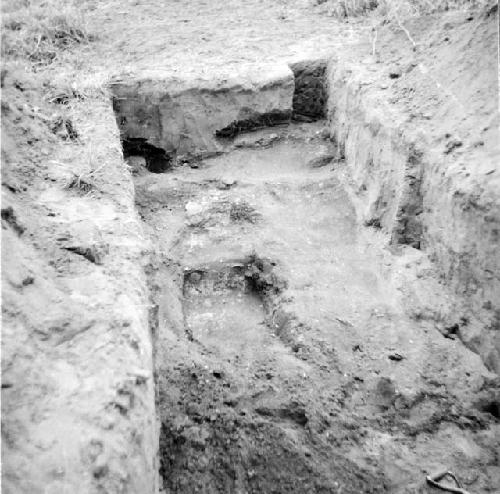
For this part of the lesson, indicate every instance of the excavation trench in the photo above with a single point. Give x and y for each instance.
(282, 345)
(235, 369)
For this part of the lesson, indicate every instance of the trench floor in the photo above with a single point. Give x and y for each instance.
(324, 381)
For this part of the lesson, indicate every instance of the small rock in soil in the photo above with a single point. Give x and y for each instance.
(226, 183)
(137, 164)
(453, 144)
(395, 73)
(193, 208)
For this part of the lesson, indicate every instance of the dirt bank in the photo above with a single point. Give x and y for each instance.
(419, 128)
(77, 380)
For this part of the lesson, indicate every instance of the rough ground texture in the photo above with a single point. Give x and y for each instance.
(77, 382)
(287, 361)
(302, 300)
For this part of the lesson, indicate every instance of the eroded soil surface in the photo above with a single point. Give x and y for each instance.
(286, 360)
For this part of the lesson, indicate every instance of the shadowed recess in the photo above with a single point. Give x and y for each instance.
(157, 160)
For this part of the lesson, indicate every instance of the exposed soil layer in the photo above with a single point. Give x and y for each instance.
(310, 95)
(286, 360)
(420, 136)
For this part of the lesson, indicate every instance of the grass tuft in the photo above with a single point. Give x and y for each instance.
(40, 30)
(83, 185)
(241, 211)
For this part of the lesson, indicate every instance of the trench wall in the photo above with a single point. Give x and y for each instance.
(192, 117)
(78, 411)
(406, 187)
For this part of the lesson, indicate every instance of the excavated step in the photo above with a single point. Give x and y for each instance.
(190, 117)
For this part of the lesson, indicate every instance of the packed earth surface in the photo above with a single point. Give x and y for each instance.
(248, 247)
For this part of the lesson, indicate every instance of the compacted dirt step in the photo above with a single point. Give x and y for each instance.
(286, 359)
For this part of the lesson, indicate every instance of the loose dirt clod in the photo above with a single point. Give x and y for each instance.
(9, 216)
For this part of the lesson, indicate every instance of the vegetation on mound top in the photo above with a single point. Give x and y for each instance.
(40, 30)
(393, 9)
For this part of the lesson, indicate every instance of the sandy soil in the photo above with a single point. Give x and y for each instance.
(333, 382)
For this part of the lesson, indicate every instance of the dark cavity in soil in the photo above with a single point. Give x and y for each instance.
(157, 160)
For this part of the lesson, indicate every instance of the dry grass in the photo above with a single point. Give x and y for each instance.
(241, 211)
(55, 102)
(342, 9)
(404, 9)
(81, 184)
(393, 9)
(41, 30)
